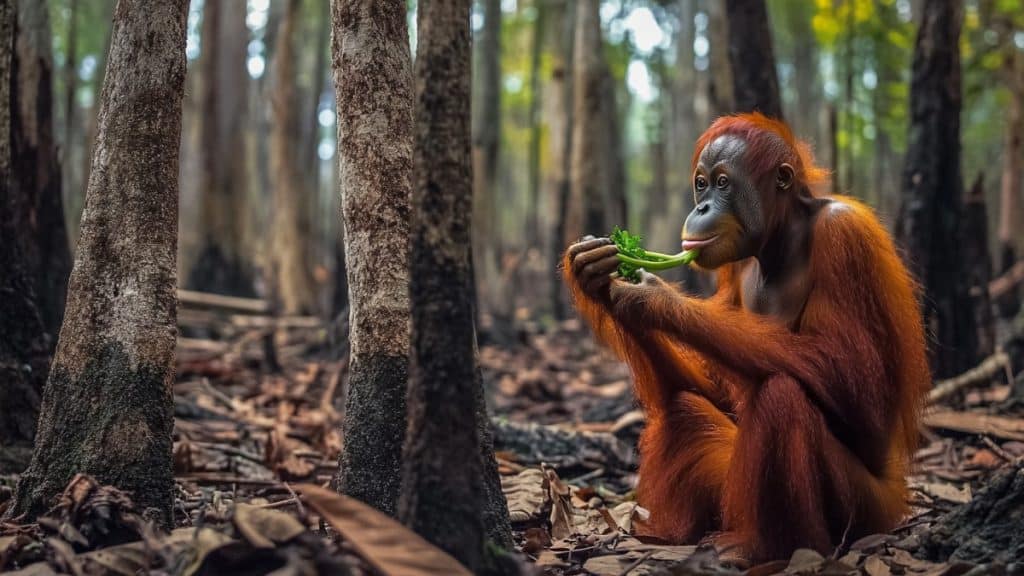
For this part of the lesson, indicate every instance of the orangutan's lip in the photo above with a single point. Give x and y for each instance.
(690, 244)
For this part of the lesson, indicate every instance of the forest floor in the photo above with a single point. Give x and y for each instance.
(248, 442)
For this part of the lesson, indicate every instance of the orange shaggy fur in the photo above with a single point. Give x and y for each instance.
(779, 436)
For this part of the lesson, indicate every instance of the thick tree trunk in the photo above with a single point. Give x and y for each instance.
(755, 85)
(589, 183)
(107, 409)
(36, 167)
(450, 490)
(293, 280)
(23, 348)
(374, 86)
(224, 264)
(929, 223)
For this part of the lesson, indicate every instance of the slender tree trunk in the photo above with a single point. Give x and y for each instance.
(450, 489)
(612, 159)
(293, 280)
(374, 86)
(755, 84)
(23, 347)
(560, 119)
(224, 265)
(36, 165)
(721, 83)
(587, 208)
(978, 268)
(106, 408)
(534, 208)
(70, 89)
(1010, 183)
(928, 225)
(492, 296)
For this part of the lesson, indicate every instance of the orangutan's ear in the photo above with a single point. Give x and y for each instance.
(785, 176)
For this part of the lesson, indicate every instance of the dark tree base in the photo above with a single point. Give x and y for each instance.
(371, 463)
(986, 529)
(112, 421)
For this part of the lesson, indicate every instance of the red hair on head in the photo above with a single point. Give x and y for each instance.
(770, 142)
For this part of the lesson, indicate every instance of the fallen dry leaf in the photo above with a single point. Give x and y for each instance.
(527, 495)
(263, 527)
(874, 566)
(392, 549)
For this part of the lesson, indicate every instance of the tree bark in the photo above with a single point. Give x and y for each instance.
(107, 408)
(755, 85)
(928, 225)
(589, 183)
(224, 265)
(23, 347)
(374, 86)
(450, 489)
(533, 219)
(35, 163)
(293, 280)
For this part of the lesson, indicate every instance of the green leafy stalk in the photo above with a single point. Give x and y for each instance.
(633, 257)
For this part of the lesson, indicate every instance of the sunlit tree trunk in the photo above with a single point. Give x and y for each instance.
(374, 89)
(293, 280)
(224, 264)
(450, 488)
(107, 406)
(928, 226)
(23, 347)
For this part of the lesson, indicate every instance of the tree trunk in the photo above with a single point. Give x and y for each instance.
(23, 347)
(450, 487)
(533, 206)
(107, 408)
(928, 225)
(35, 164)
(293, 280)
(612, 159)
(721, 85)
(755, 85)
(492, 295)
(374, 87)
(589, 185)
(1010, 183)
(224, 265)
(560, 119)
(978, 268)
(70, 88)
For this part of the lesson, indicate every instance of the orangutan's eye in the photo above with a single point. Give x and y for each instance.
(723, 181)
(700, 183)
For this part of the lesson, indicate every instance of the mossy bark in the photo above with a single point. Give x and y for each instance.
(107, 407)
(446, 485)
(374, 88)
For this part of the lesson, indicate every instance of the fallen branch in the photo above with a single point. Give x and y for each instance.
(191, 298)
(975, 423)
(981, 373)
(1006, 282)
